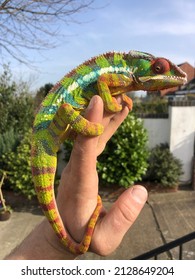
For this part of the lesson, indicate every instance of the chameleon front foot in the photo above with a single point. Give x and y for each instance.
(128, 101)
(66, 116)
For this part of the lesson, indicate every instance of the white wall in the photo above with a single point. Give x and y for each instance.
(182, 133)
(158, 131)
(179, 132)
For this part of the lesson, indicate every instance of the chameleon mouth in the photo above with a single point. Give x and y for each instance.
(170, 79)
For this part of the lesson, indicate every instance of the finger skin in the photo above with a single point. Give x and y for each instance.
(118, 220)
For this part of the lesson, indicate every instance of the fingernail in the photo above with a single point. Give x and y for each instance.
(139, 194)
(92, 102)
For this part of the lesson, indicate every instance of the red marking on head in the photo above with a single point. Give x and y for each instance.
(160, 66)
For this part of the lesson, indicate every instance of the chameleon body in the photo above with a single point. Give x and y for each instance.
(108, 75)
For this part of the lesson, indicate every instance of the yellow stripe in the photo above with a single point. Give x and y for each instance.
(51, 214)
(45, 180)
(45, 198)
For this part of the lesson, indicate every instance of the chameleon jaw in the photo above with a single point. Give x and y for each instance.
(159, 82)
(179, 80)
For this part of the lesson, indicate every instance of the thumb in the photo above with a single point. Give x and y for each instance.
(113, 226)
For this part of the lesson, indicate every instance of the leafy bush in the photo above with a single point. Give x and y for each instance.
(124, 159)
(18, 167)
(153, 105)
(164, 168)
(8, 141)
(16, 114)
(16, 104)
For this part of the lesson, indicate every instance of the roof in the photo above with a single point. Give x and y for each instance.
(189, 70)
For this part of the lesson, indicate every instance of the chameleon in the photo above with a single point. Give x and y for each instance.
(109, 74)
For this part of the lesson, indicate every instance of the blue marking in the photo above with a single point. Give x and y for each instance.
(86, 80)
(47, 148)
(49, 110)
(42, 125)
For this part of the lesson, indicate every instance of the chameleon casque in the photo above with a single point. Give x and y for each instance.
(108, 75)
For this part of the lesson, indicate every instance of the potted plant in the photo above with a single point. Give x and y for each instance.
(5, 210)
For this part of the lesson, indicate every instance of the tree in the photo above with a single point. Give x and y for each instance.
(16, 111)
(16, 115)
(16, 104)
(41, 93)
(34, 24)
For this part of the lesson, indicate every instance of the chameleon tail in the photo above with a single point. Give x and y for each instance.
(45, 144)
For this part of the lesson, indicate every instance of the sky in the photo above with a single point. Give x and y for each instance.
(163, 28)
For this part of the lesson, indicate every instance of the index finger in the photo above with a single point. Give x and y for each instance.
(84, 149)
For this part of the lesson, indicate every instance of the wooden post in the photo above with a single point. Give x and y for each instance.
(1, 193)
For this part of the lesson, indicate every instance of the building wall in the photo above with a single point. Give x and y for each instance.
(158, 131)
(178, 130)
(182, 133)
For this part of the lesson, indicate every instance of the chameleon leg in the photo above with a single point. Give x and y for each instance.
(107, 81)
(128, 101)
(66, 116)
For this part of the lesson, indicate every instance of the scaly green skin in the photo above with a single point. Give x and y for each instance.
(108, 75)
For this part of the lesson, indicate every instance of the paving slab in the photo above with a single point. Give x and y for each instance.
(13, 231)
(166, 217)
(175, 215)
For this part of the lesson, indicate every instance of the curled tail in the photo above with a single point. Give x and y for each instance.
(45, 144)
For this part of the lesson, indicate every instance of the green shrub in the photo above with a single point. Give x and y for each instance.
(8, 141)
(124, 159)
(16, 114)
(164, 168)
(16, 104)
(18, 167)
(153, 105)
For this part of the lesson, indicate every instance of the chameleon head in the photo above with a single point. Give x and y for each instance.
(151, 73)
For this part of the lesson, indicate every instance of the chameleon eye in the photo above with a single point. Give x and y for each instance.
(160, 66)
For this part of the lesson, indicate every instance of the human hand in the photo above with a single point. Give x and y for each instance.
(77, 198)
(78, 189)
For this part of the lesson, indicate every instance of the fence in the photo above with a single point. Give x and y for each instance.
(167, 247)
